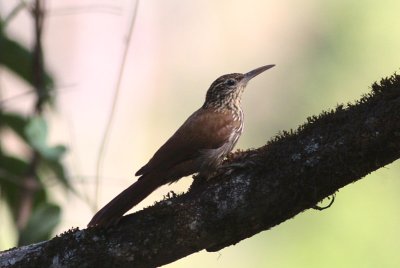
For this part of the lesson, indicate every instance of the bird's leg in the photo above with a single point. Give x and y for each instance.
(203, 177)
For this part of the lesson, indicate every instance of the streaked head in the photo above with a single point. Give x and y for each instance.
(228, 88)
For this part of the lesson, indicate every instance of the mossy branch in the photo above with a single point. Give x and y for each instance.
(257, 190)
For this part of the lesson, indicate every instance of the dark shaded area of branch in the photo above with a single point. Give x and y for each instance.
(258, 190)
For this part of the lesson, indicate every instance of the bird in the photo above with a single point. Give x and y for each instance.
(198, 146)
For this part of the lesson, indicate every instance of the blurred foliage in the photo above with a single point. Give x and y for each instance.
(38, 229)
(19, 60)
(40, 162)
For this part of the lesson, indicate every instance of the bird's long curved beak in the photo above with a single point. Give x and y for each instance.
(255, 72)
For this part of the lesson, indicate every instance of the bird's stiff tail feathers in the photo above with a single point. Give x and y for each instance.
(112, 212)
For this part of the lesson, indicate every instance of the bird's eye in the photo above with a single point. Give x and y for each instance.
(230, 82)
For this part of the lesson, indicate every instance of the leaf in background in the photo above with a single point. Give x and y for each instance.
(36, 133)
(56, 167)
(19, 60)
(14, 121)
(11, 171)
(45, 217)
(13, 165)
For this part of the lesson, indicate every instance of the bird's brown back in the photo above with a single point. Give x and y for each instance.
(206, 129)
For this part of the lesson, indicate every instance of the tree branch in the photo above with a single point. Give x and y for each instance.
(256, 190)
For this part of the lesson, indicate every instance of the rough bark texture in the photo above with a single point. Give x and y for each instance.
(258, 190)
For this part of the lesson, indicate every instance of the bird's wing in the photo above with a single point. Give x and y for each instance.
(204, 129)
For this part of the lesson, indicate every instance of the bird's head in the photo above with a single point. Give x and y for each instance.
(227, 89)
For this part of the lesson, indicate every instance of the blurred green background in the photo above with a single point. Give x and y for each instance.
(326, 52)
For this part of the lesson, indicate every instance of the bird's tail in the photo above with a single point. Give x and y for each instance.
(131, 196)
